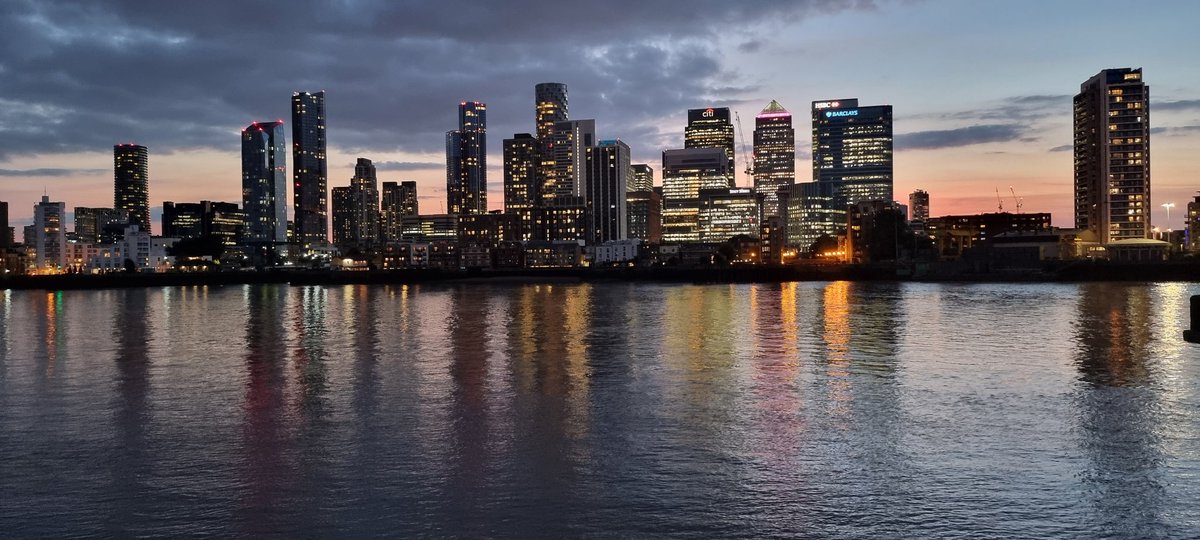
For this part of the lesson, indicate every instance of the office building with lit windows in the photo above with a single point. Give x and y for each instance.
(466, 161)
(685, 173)
(264, 183)
(100, 225)
(852, 150)
(728, 212)
(131, 182)
(808, 211)
(642, 179)
(605, 185)
(522, 189)
(711, 128)
(774, 154)
(644, 211)
(1112, 155)
(310, 176)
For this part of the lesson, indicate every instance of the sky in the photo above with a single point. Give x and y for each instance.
(981, 90)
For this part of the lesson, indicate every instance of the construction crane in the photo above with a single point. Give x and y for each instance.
(745, 150)
(999, 202)
(1016, 198)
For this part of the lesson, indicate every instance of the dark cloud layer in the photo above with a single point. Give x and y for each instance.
(949, 138)
(51, 172)
(78, 75)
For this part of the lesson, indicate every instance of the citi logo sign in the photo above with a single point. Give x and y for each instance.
(708, 113)
(835, 114)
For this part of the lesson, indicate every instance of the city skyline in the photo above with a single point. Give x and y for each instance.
(994, 122)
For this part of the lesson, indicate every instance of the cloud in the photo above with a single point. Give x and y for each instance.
(79, 76)
(52, 172)
(1180, 105)
(409, 165)
(1016, 108)
(1063, 148)
(1174, 131)
(949, 138)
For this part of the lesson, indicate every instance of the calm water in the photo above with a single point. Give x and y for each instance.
(810, 409)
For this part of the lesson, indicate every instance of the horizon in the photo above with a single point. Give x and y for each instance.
(998, 123)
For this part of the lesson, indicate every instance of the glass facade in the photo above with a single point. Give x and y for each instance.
(264, 182)
(685, 173)
(711, 128)
(774, 154)
(852, 150)
(466, 161)
(550, 106)
(309, 169)
(728, 212)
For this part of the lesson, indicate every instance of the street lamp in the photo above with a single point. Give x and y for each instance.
(1168, 206)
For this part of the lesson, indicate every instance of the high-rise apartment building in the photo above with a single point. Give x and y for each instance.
(1191, 229)
(522, 189)
(1112, 155)
(358, 208)
(642, 179)
(398, 201)
(466, 161)
(49, 235)
(568, 148)
(711, 128)
(685, 173)
(264, 182)
(309, 170)
(550, 107)
(607, 179)
(774, 154)
(131, 183)
(918, 206)
(852, 150)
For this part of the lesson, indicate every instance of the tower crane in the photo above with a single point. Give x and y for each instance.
(1016, 198)
(999, 202)
(745, 151)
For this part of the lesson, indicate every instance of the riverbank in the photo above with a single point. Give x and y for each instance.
(1079, 272)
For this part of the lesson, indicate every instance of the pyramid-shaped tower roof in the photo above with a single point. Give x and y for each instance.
(774, 107)
(773, 110)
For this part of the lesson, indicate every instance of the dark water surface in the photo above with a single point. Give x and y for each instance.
(805, 409)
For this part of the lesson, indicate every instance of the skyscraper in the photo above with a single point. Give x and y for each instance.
(399, 200)
(774, 154)
(918, 206)
(522, 192)
(568, 147)
(131, 183)
(309, 171)
(711, 128)
(852, 150)
(642, 179)
(264, 182)
(1112, 155)
(607, 179)
(685, 173)
(466, 161)
(550, 102)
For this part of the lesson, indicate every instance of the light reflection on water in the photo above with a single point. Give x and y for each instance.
(814, 409)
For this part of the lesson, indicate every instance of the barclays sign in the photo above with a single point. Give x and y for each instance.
(835, 114)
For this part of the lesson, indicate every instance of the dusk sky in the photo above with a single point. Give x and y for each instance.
(981, 90)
